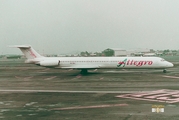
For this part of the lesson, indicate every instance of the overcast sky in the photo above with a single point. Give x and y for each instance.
(69, 26)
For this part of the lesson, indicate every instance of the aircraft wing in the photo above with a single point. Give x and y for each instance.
(83, 67)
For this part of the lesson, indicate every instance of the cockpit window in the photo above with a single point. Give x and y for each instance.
(162, 59)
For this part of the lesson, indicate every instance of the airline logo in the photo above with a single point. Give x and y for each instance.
(122, 64)
(133, 62)
(32, 54)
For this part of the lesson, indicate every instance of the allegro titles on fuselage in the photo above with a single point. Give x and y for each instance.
(134, 62)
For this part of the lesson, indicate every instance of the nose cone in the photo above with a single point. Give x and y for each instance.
(169, 64)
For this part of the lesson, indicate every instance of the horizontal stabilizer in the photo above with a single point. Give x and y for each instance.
(20, 46)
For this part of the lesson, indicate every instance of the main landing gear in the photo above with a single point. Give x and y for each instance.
(84, 71)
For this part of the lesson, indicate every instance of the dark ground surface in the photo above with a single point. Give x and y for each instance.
(70, 101)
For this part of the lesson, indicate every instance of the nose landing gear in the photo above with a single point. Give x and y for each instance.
(164, 71)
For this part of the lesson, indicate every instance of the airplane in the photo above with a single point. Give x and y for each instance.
(86, 63)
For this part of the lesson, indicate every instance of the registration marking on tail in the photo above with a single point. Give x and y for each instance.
(164, 95)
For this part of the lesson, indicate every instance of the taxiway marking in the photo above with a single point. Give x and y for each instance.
(164, 95)
(87, 107)
(25, 78)
(50, 78)
(171, 77)
(78, 76)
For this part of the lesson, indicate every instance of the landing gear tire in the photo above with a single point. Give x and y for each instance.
(164, 71)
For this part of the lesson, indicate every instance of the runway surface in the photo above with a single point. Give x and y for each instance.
(63, 91)
(33, 92)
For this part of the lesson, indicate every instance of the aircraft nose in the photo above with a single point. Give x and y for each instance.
(170, 64)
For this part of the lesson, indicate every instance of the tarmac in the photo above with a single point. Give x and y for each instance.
(32, 92)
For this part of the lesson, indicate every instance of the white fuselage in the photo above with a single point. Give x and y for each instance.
(85, 63)
(101, 62)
